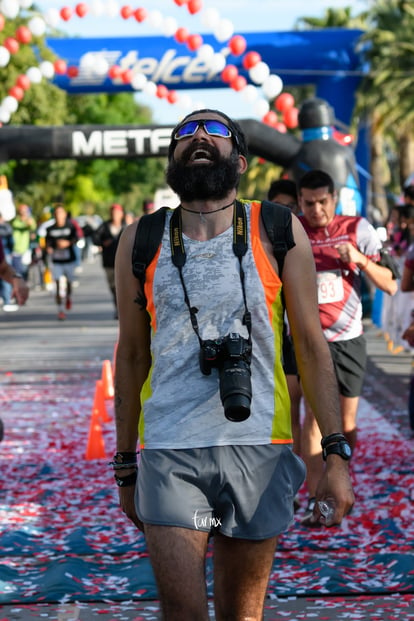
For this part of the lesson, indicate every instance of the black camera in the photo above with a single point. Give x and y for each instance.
(231, 355)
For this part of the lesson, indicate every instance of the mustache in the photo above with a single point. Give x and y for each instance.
(195, 146)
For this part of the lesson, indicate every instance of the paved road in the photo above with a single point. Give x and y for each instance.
(34, 341)
(33, 336)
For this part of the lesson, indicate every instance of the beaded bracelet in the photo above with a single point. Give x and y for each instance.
(116, 466)
(123, 460)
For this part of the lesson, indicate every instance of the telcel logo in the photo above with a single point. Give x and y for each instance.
(170, 69)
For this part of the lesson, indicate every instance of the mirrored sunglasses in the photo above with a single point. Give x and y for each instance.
(212, 128)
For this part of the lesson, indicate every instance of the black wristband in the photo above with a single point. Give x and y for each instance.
(127, 481)
(124, 457)
(333, 437)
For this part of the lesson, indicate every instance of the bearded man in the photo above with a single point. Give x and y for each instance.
(200, 387)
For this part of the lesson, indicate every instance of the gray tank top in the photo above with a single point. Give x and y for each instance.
(181, 407)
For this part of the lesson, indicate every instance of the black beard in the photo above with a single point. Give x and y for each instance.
(203, 181)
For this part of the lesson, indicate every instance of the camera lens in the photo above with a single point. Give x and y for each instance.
(235, 390)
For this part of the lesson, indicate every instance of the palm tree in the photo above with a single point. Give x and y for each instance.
(387, 92)
(385, 99)
(333, 18)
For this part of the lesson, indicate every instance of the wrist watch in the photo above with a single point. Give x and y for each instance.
(339, 447)
(16, 275)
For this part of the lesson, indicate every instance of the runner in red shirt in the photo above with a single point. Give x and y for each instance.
(343, 247)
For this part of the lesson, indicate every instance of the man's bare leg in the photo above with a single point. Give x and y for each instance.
(241, 576)
(178, 559)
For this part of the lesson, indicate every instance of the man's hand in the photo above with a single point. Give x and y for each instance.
(20, 290)
(126, 501)
(349, 254)
(335, 489)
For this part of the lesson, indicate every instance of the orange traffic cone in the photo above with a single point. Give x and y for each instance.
(99, 402)
(95, 448)
(107, 380)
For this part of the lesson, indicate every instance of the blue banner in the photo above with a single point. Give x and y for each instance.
(326, 58)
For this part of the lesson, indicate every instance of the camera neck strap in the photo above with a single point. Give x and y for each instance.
(178, 257)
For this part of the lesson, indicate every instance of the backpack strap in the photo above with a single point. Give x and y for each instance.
(277, 220)
(148, 237)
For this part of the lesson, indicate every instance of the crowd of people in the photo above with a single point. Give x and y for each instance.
(49, 253)
(257, 363)
(396, 312)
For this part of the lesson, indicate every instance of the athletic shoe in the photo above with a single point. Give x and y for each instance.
(308, 519)
(61, 316)
(10, 308)
(68, 303)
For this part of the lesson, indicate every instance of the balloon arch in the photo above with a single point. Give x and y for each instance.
(256, 65)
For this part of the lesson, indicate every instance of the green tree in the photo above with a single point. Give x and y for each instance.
(42, 104)
(259, 176)
(87, 182)
(115, 180)
(386, 95)
(368, 95)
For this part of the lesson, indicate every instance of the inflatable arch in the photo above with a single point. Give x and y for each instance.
(326, 58)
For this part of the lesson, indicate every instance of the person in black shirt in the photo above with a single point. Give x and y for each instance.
(61, 238)
(107, 238)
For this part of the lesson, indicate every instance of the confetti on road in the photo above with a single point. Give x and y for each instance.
(64, 538)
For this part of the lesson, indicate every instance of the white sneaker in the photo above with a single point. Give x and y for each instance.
(10, 308)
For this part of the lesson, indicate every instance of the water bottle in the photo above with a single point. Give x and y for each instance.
(327, 510)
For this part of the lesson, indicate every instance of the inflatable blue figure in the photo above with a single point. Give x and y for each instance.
(321, 150)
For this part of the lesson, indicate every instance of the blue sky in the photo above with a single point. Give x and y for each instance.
(245, 15)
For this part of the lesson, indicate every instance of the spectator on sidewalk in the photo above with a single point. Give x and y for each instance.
(24, 233)
(20, 291)
(6, 236)
(407, 285)
(107, 238)
(396, 310)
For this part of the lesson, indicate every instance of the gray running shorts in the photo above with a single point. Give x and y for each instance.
(63, 269)
(240, 491)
